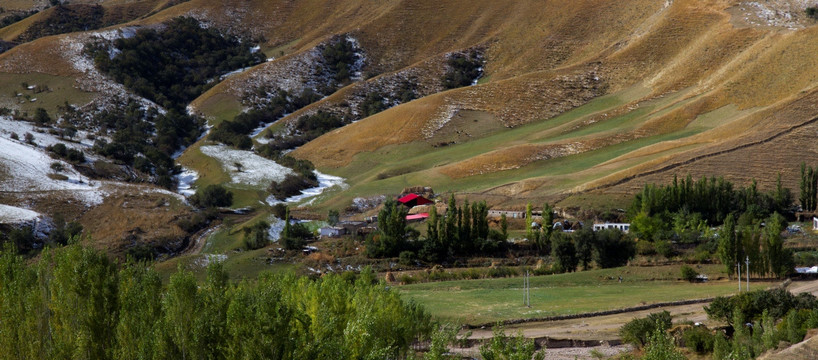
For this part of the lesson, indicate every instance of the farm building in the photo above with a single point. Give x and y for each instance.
(413, 200)
(619, 226)
(511, 214)
(332, 231)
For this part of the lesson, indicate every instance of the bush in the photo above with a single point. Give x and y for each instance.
(699, 339)
(212, 196)
(462, 70)
(637, 331)
(290, 186)
(664, 248)
(197, 221)
(613, 248)
(688, 273)
(751, 305)
(407, 258)
(645, 248)
(256, 236)
(812, 12)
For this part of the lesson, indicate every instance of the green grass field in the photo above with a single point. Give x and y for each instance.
(490, 300)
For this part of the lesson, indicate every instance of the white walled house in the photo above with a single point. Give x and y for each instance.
(624, 227)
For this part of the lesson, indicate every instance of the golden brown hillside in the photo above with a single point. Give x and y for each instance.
(575, 95)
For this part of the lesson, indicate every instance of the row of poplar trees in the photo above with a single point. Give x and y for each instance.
(744, 239)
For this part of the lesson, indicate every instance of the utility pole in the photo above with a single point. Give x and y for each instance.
(526, 290)
(738, 266)
(747, 260)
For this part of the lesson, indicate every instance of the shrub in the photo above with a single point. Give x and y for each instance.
(256, 236)
(462, 70)
(407, 258)
(613, 248)
(212, 196)
(645, 248)
(688, 273)
(637, 331)
(750, 305)
(291, 185)
(812, 12)
(664, 248)
(699, 339)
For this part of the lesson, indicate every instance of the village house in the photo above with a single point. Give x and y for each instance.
(619, 226)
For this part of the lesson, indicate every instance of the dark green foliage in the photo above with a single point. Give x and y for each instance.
(333, 217)
(393, 236)
(750, 305)
(62, 232)
(212, 196)
(373, 103)
(198, 220)
(75, 303)
(294, 236)
(688, 273)
(339, 56)
(584, 241)
(462, 70)
(20, 239)
(291, 185)
(714, 199)
(808, 187)
(699, 339)
(71, 155)
(156, 136)
(613, 248)
(256, 236)
(664, 248)
(41, 116)
(812, 12)
(65, 19)
(461, 231)
(175, 65)
(15, 17)
(637, 331)
(564, 252)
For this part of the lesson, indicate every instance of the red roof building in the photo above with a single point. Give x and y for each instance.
(417, 217)
(413, 200)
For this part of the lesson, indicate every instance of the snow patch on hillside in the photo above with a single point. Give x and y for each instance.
(186, 179)
(25, 169)
(16, 215)
(788, 14)
(255, 170)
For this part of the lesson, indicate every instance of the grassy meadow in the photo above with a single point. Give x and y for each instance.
(489, 300)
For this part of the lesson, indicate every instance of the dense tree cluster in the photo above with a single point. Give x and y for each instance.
(294, 235)
(68, 154)
(712, 198)
(758, 321)
(75, 303)
(66, 19)
(745, 239)
(212, 196)
(462, 69)
(145, 138)
(808, 187)
(339, 56)
(461, 231)
(176, 64)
